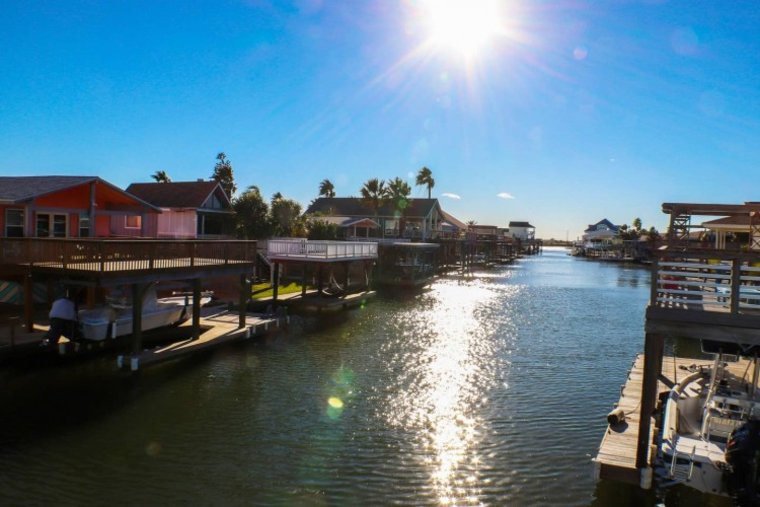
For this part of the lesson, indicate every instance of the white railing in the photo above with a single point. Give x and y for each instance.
(711, 280)
(320, 250)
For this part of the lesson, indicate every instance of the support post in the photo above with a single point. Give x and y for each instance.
(303, 281)
(196, 308)
(345, 278)
(653, 349)
(28, 304)
(137, 307)
(319, 280)
(245, 295)
(275, 281)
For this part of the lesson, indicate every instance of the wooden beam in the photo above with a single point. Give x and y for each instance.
(245, 296)
(28, 303)
(653, 349)
(196, 308)
(138, 291)
(275, 281)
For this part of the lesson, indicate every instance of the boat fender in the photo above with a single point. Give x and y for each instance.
(616, 417)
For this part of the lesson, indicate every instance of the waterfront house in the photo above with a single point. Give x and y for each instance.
(189, 209)
(71, 206)
(421, 219)
(483, 232)
(522, 231)
(451, 227)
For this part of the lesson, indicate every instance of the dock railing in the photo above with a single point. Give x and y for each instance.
(320, 250)
(102, 255)
(707, 280)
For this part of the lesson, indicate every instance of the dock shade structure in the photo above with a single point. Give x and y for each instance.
(321, 257)
(702, 289)
(139, 264)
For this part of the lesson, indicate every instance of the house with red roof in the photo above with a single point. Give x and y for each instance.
(71, 206)
(189, 209)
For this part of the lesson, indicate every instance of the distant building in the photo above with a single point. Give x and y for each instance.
(602, 233)
(421, 219)
(71, 207)
(522, 231)
(190, 209)
(483, 232)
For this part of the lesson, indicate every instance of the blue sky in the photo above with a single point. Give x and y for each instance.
(580, 110)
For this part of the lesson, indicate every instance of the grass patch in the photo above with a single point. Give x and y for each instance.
(264, 290)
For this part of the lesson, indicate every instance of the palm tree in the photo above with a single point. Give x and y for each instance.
(326, 189)
(374, 193)
(398, 194)
(425, 177)
(161, 177)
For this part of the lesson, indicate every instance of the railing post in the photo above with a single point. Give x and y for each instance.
(655, 282)
(192, 253)
(735, 284)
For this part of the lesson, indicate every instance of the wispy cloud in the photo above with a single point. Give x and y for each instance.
(505, 195)
(450, 195)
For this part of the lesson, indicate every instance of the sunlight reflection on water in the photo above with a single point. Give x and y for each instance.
(445, 379)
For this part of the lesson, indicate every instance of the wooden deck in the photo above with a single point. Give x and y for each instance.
(219, 328)
(616, 459)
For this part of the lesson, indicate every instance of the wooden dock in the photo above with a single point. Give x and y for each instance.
(315, 303)
(218, 329)
(616, 459)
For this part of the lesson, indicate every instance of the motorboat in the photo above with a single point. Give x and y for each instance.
(114, 319)
(711, 431)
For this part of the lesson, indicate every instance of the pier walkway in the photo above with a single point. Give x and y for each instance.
(218, 328)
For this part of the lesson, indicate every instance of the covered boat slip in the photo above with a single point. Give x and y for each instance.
(616, 458)
(139, 264)
(331, 263)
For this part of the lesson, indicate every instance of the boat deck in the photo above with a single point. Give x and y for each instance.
(616, 459)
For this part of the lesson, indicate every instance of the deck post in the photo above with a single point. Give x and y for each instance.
(735, 285)
(346, 278)
(245, 294)
(653, 349)
(28, 303)
(196, 308)
(319, 280)
(303, 281)
(275, 281)
(137, 307)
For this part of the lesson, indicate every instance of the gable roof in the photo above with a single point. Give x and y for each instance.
(521, 224)
(21, 189)
(175, 194)
(451, 219)
(604, 221)
(353, 207)
(17, 189)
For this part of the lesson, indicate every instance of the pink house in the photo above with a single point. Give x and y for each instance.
(189, 209)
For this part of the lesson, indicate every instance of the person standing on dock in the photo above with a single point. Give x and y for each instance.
(63, 321)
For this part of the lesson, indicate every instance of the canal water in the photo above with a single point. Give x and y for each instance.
(490, 389)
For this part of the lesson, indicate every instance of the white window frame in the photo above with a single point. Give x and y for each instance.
(51, 222)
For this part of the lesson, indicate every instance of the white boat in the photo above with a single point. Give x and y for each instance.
(711, 432)
(114, 320)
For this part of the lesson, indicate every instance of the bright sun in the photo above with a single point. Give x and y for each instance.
(462, 26)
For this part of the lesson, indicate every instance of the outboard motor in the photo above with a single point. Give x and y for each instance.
(743, 458)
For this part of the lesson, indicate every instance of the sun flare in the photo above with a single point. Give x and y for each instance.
(462, 26)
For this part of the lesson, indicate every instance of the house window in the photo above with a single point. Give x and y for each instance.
(133, 222)
(14, 223)
(51, 225)
(84, 226)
